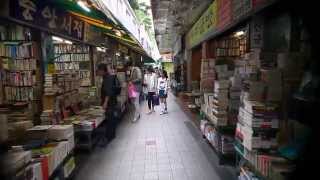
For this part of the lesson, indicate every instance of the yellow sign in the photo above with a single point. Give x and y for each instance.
(205, 24)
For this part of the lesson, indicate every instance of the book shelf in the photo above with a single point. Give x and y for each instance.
(231, 47)
(76, 58)
(19, 66)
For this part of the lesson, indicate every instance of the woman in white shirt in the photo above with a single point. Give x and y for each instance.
(163, 91)
(150, 83)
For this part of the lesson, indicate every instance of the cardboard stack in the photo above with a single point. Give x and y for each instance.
(220, 102)
(207, 75)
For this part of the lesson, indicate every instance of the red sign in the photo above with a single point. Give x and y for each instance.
(224, 13)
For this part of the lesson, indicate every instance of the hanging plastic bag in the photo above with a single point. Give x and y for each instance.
(132, 93)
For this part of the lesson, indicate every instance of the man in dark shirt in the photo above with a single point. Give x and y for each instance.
(108, 99)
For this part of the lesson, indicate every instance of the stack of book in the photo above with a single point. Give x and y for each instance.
(234, 99)
(48, 85)
(207, 75)
(46, 117)
(258, 124)
(220, 103)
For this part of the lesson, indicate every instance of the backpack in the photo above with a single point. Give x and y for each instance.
(117, 86)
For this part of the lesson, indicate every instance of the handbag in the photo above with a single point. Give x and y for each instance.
(156, 100)
(132, 93)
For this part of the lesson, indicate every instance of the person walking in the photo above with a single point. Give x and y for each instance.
(136, 80)
(109, 99)
(163, 87)
(150, 82)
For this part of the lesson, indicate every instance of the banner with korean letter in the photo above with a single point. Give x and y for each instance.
(207, 23)
(46, 15)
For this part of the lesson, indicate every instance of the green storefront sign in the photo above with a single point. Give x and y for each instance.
(207, 23)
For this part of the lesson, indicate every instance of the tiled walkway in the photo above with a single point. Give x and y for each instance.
(166, 147)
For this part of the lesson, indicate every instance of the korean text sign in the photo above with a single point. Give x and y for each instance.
(46, 15)
(205, 24)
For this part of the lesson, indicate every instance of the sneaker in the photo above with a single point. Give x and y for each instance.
(149, 112)
(162, 112)
(165, 112)
(153, 110)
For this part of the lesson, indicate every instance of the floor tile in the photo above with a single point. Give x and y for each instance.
(156, 147)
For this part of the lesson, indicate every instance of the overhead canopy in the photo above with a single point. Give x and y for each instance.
(104, 22)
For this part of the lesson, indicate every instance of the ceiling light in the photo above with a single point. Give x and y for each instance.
(67, 42)
(101, 49)
(239, 33)
(83, 6)
(55, 38)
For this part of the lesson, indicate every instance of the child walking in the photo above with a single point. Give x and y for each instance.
(163, 91)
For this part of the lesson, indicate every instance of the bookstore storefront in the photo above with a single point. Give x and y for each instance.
(252, 62)
(49, 94)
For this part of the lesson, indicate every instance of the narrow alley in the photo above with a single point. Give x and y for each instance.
(159, 90)
(163, 147)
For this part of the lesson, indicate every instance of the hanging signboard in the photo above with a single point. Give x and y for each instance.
(45, 15)
(203, 26)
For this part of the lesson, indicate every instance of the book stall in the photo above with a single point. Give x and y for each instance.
(248, 80)
(49, 104)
